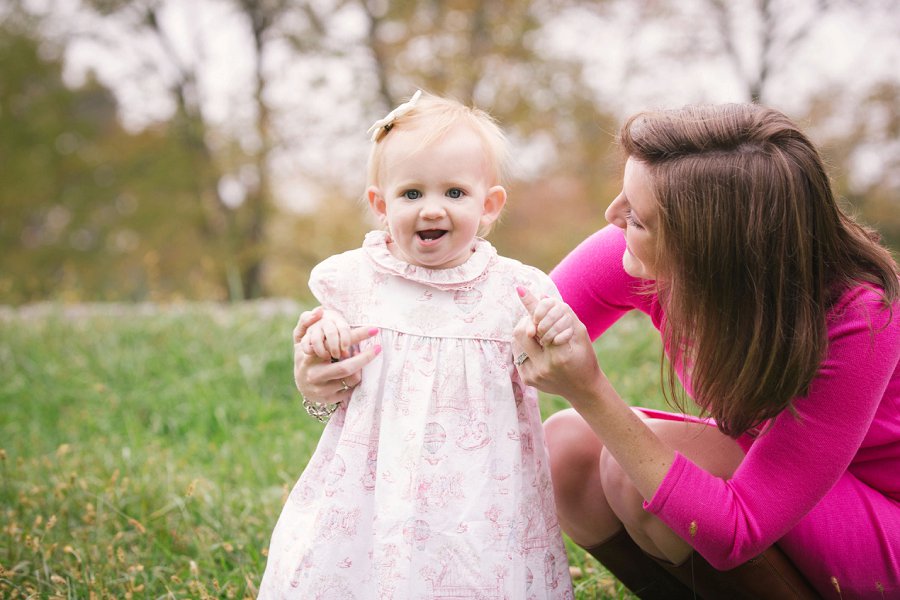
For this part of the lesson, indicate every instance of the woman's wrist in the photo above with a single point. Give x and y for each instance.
(595, 395)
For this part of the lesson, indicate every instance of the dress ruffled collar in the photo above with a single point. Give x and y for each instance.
(459, 277)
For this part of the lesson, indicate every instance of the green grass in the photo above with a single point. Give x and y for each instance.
(146, 453)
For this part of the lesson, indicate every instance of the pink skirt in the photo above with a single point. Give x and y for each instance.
(845, 552)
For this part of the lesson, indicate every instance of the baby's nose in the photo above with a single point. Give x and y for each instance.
(433, 209)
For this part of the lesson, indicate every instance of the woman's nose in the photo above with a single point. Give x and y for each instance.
(614, 212)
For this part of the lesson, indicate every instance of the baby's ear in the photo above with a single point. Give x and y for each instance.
(494, 202)
(376, 202)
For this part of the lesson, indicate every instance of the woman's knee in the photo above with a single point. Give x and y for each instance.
(627, 504)
(570, 440)
(573, 448)
(621, 494)
(702, 444)
(575, 471)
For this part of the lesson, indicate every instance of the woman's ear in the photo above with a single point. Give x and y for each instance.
(494, 202)
(377, 203)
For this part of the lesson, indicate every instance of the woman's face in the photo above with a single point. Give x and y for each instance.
(635, 211)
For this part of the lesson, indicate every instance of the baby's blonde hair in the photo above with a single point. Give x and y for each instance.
(436, 115)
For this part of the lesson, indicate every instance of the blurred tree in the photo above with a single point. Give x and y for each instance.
(762, 40)
(195, 204)
(779, 30)
(748, 50)
(490, 54)
(878, 196)
(863, 150)
(768, 49)
(233, 191)
(89, 211)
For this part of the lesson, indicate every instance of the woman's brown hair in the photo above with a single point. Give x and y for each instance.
(753, 252)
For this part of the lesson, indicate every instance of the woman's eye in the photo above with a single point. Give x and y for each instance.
(455, 193)
(412, 194)
(629, 216)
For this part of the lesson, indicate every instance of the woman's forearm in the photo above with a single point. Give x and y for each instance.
(641, 454)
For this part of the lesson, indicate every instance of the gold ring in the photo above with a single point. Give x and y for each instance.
(344, 386)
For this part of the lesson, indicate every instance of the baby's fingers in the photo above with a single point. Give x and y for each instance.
(555, 319)
(315, 343)
(564, 336)
(306, 320)
(331, 338)
(344, 338)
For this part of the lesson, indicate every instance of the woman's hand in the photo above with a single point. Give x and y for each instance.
(570, 370)
(320, 380)
(561, 358)
(554, 322)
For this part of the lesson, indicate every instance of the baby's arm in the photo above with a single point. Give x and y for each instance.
(553, 323)
(329, 337)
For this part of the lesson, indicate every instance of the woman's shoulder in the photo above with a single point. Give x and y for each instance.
(863, 303)
(861, 296)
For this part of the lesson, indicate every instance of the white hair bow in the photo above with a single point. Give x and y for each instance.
(382, 126)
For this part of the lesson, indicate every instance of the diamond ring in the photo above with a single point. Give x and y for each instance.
(520, 359)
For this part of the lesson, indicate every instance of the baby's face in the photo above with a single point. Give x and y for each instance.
(434, 199)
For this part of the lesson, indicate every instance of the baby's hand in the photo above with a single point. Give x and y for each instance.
(554, 323)
(328, 337)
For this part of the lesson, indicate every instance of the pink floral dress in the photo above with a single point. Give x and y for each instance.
(432, 482)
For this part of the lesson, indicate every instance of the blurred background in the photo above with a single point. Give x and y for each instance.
(167, 150)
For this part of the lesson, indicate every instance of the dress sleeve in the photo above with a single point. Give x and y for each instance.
(797, 460)
(539, 282)
(332, 282)
(323, 281)
(593, 282)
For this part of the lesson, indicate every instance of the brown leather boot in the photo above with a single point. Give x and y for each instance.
(771, 575)
(644, 576)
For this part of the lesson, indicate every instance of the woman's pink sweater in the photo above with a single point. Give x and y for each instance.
(824, 483)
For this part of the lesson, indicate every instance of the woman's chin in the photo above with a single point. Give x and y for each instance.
(634, 267)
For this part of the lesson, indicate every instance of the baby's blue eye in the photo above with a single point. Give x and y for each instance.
(455, 193)
(412, 194)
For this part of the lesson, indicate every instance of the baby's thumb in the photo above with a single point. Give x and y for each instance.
(306, 319)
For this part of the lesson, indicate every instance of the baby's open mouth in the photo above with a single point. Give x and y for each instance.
(431, 234)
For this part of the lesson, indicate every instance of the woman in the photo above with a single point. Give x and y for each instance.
(777, 312)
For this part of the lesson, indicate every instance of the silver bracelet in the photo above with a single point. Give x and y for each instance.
(319, 412)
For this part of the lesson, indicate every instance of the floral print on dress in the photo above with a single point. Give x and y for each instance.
(432, 483)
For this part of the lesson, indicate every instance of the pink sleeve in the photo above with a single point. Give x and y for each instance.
(796, 461)
(592, 281)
